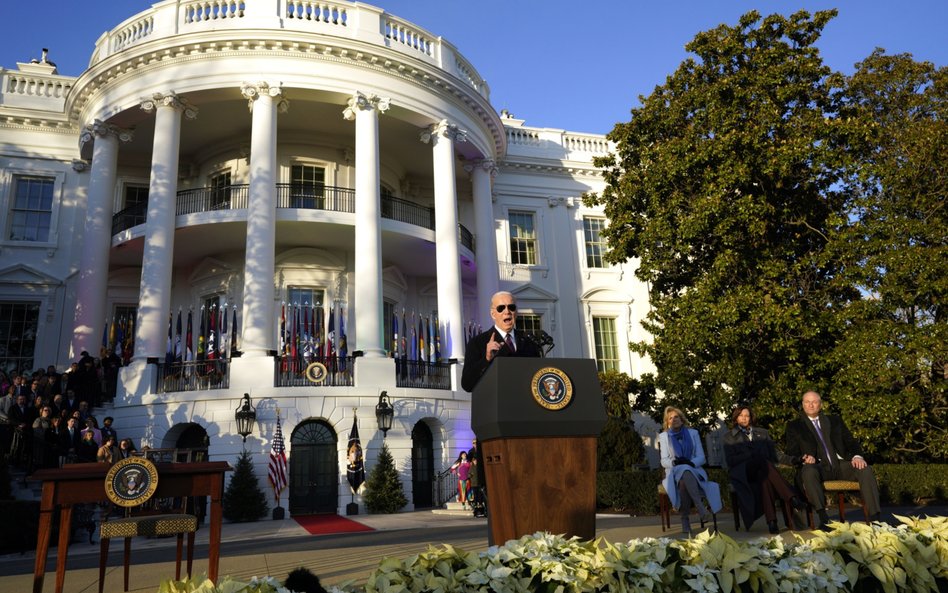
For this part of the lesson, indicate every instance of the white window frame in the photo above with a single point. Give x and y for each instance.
(537, 223)
(7, 191)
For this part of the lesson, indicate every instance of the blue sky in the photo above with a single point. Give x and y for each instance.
(574, 65)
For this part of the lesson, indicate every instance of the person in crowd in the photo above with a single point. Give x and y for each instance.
(5, 381)
(53, 381)
(462, 468)
(42, 426)
(70, 402)
(69, 440)
(822, 447)
(686, 482)
(105, 452)
(54, 455)
(478, 495)
(6, 428)
(88, 449)
(84, 411)
(126, 449)
(92, 425)
(751, 457)
(107, 430)
(500, 340)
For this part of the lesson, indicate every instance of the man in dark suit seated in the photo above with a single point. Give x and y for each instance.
(500, 340)
(823, 449)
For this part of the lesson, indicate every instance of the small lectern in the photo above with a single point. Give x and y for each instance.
(537, 421)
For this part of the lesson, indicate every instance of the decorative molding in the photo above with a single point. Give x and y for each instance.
(169, 100)
(485, 164)
(359, 101)
(443, 129)
(254, 90)
(79, 165)
(99, 128)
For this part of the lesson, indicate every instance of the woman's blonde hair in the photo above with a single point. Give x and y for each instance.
(669, 410)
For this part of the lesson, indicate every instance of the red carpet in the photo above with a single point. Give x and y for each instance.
(326, 524)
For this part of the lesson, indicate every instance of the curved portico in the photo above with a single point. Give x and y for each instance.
(315, 72)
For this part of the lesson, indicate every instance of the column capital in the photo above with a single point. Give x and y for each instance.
(254, 90)
(443, 129)
(487, 165)
(169, 100)
(362, 102)
(102, 129)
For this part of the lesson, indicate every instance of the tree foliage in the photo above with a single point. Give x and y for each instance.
(619, 447)
(891, 361)
(383, 489)
(790, 225)
(243, 499)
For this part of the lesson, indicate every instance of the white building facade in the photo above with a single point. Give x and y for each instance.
(300, 168)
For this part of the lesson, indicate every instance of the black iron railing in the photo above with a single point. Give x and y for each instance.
(212, 199)
(405, 211)
(193, 376)
(315, 197)
(129, 217)
(445, 488)
(466, 238)
(422, 375)
(290, 373)
(289, 195)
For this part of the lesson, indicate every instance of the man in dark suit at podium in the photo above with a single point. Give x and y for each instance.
(500, 340)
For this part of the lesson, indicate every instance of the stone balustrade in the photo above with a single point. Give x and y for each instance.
(337, 18)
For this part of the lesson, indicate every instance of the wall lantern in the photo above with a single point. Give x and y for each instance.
(384, 413)
(245, 415)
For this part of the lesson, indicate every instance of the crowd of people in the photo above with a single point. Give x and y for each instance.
(46, 417)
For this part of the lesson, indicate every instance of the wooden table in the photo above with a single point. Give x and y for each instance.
(85, 483)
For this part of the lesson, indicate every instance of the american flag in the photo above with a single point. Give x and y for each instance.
(278, 469)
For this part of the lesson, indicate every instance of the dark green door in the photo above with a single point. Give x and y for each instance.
(422, 465)
(314, 470)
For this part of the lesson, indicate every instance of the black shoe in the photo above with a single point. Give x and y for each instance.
(877, 518)
(798, 503)
(824, 518)
(772, 527)
(824, 527)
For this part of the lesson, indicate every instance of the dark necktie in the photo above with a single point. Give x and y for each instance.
(819, 433)
(510, 343)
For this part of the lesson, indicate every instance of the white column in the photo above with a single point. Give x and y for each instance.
(442, 137)
(92, 290)
(368, 231)
(488, 282)
(154, 301)
(259, 329)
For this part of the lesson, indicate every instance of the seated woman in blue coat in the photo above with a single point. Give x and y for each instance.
(685, 482)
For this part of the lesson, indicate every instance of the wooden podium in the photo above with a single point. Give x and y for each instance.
(537, 421)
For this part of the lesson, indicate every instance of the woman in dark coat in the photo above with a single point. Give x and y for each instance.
(751, 456)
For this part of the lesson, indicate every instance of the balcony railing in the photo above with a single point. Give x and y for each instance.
(289, 195)
(128, 218)
(212, 199)
(291, 373)
(315, 197)
(422, 375)
(193, 376)
(405, 211)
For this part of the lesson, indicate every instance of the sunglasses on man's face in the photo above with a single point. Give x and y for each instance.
(500, 308)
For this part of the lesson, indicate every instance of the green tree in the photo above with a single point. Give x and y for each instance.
(723, 186)
(243, 500)
(892, 243)
(619, 447)
(383, 489)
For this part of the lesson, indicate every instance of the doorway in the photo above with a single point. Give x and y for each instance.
(422, 466)
(314, 469)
